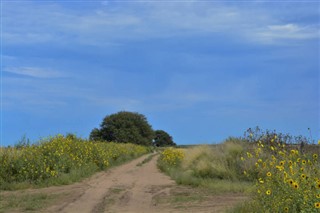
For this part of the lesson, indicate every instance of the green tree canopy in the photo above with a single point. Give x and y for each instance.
(162, 138)
(95, 135)
(124, 127)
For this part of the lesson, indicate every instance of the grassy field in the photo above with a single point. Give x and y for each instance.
(277, 177)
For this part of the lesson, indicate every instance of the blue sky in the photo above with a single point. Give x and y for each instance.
(200, 70)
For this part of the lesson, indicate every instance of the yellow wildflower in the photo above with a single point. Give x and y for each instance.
(261, 180)
(290, 181)
(280, 168)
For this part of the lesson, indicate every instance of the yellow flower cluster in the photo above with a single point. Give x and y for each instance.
(58, 155)
(172, 156)
(287, 180)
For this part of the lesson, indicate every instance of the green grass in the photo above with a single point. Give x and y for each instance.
(25, 202)
(214, 184)
(246, 207)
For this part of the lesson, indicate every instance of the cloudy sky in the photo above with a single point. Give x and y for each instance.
(200, 70)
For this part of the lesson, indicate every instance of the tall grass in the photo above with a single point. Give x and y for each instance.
(216, 167)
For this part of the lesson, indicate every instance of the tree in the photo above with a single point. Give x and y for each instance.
(162, 138)
(124, 127)
(95, 135)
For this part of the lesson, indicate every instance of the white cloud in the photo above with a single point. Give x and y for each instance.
(286, 31)
(108, 24)
(34, 72)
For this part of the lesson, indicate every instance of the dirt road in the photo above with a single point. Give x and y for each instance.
(135, 188)
(127, 188)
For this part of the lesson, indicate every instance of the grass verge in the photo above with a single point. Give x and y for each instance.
(211, 167)
(25, 202)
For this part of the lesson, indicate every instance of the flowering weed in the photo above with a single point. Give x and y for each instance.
(171, 156)
(286, 179)
(59, 155)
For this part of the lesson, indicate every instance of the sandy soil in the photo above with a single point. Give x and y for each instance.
(134, 188)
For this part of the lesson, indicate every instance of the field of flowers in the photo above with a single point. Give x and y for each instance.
(171, 156)
(286, 179)
(60, 155)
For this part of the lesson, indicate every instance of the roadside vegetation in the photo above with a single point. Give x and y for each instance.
(214, 167)
(60, 160)
(277, 172)
(286, 177)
